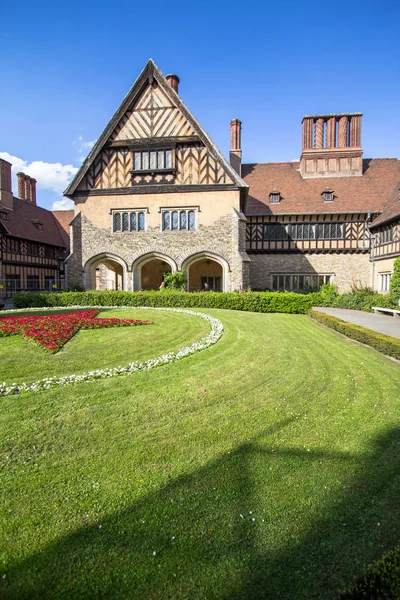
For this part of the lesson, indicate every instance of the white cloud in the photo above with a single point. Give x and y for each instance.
(64, 204)
(83, 147)
(49, 176)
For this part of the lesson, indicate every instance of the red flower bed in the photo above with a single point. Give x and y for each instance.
(53, 331)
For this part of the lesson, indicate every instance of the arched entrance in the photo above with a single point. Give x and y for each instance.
(209, 268)
(149, 271)
(105, 272)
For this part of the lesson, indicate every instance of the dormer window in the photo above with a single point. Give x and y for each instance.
(327, 195)
(38, 224)
(3, 216)
(275, 197)
(150, 161)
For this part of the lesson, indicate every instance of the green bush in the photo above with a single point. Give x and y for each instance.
(381, 582)
(383, 343)
(175, 281)
(395, 281)
(282, 302)
(361, 299)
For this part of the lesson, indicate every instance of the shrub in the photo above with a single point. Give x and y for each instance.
(381, 582)
(383, 343)
(282, 302)
(175, 281)
(395, 281)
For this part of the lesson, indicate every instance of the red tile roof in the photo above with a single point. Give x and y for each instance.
(20, 223)
(392, 209)
(64, 218)
(367, 193)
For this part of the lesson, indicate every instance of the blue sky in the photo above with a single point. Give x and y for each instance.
(65, 68)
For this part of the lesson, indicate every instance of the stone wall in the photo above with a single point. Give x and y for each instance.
(225, 238)
(347, 269)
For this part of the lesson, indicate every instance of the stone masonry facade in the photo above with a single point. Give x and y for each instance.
(350, 269)
(225, 239)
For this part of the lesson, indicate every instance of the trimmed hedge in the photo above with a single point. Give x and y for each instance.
(265, 302)
(383, 343)
(381, 582)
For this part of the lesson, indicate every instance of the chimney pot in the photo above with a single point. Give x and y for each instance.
(173, 81)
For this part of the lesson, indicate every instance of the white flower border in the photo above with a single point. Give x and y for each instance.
(217, 329)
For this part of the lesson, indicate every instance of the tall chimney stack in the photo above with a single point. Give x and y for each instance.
(235, 154)
(6, 196)
(26, 188)
(21, 186)
(33, 190)
(331, 146)
(173, 81)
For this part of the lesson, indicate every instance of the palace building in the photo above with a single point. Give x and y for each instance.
(155, 195)
(34, 242)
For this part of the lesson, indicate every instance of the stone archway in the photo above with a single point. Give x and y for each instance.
(105, 272)
(149, 269)
(206, 267)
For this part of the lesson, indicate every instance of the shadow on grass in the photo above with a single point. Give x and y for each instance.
(195, 538)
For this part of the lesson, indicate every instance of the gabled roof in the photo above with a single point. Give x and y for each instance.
(21, 223)
(361, 194)
(150, 72)
(392, 209)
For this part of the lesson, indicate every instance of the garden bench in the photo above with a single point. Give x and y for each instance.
(391, 311)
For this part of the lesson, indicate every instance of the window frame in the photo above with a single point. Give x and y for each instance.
(157, 150)
(322, 279)
(179, 210)
(129, 212)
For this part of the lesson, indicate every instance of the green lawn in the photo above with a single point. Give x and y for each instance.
(146, 487)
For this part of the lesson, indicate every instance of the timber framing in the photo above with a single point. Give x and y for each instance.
(354, 237)
(148, 75)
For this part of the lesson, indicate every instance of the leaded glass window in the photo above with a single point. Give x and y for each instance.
(141, 221)
(128, 221)
(329, 231)
(178, 220)
(117, 221)
(304, 282)
(166, 220)
(182, 219)
(153, 160)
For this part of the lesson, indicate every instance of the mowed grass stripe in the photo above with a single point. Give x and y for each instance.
(282, 418)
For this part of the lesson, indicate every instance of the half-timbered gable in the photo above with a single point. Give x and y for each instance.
(156, 189)
(152, 140)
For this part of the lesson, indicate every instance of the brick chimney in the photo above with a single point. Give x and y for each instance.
(331, 146)
(235, 154)
(173, 81)
(6, 195)
(26, 188)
